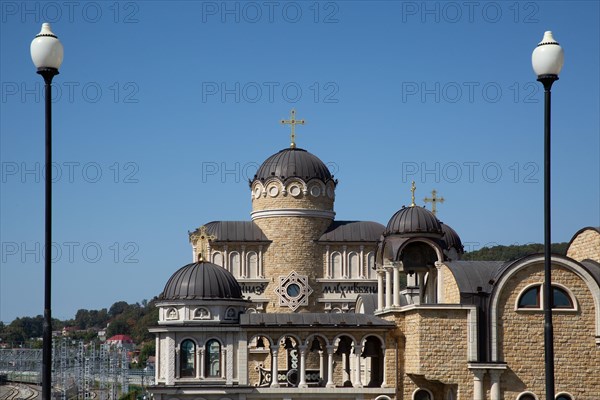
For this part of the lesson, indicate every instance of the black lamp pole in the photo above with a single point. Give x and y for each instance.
(47, 55)
(47, 74)
(547, 81)
(547, 60)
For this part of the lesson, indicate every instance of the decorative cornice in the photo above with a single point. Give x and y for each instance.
(292, 212)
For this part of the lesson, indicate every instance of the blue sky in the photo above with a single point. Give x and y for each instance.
(164, 110)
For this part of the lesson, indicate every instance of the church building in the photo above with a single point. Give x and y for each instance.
(294, 304)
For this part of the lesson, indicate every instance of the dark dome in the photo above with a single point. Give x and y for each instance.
(293, 163)
(451, 239)
(202, 281)
(413, 220)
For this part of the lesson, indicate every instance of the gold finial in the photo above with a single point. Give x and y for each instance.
(412, 191)
(203, 237)
(293, 122)
(433, 200)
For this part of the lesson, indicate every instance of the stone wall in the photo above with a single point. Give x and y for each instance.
(451, 292)
(521, 339)
(585, 246)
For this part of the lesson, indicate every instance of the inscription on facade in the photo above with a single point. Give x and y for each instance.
(342, 290)
(253, 288)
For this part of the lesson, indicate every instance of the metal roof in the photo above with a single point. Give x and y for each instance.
(593, 267)
(353, 231)
(293, 163)
(236, 231)
(413, 220)
(471, 275)
(202, 281)
(451, 239)
(313, 319)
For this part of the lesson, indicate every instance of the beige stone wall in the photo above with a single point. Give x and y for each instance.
(451, 292)
(521, 338)
(585, 246)
(302, 201)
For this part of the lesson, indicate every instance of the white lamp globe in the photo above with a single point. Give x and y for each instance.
(548, 57)
(46, 49)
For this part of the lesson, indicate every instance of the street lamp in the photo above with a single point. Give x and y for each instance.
(547, 61)
(47, 55)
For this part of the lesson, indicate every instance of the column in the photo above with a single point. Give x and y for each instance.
(344, 262)
(171, 359)
(158, 364)
(346, 369)
(229, 361)
(421, 283)
(495, 387)
(243, 264)
(225, 258)
(261, 273)
(478, 384)
(177, 363)
(358, 370)
(302, 382)
(388, 286)
(223, 358)
(440, 283)
(380, 289)
(202, 363)
(361, 263)
(327, 263)
(383, 373)
(321, 365)
(330, 383)
(274, 369)
(198, 356)
(396, 288)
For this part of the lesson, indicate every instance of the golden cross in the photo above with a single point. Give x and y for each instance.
(412, 191)
(293, 122)
(433, 200)
(203, 237)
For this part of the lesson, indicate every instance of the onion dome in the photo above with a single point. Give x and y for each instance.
(293, 163)
(413, 220)
(202, 281)
(451, 240)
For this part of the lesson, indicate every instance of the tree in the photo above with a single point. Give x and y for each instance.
(118, 327)
(118, 308)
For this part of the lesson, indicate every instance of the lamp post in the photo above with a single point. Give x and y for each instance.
(547, 61)
(47, 55)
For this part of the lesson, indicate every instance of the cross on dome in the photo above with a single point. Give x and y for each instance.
(292, 122)
(433, 200)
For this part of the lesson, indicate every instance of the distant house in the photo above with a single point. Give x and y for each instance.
(121, 341)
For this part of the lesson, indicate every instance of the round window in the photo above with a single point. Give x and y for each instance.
(293, 290)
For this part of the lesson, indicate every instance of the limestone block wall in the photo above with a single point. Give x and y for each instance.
(585, 246)
(451, 292)
(521, 339)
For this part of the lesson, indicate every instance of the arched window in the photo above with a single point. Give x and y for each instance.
(172, 313)
(371, 274)
(532, 298)
(564, 396)
(217, 258)
(252, 264)
(353, 265)
(202, 313)
(234, 264)
(336, 265)
(212, 359)
(527, 396)
(422, 394)
(187, 361)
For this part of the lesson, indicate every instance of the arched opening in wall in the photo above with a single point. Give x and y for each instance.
(422, 394)
(418, 256)
(212, 359)
(343, 350)
(353, 265)
(217, 258)
(187, 361)
(373, 355)
(316, 361)
(336, 265)
(235, 266)
(532, 298)
(252, 263)
(527, 396)
(371, 273)
(564, 396)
